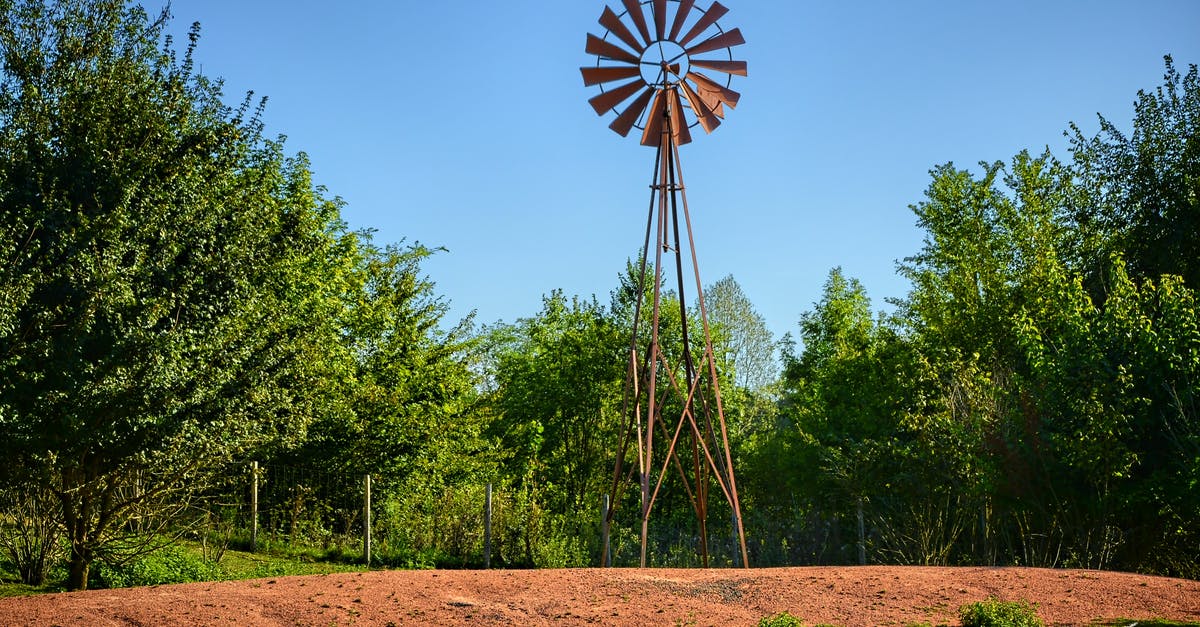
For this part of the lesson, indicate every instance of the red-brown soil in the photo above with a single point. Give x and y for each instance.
(841, 596)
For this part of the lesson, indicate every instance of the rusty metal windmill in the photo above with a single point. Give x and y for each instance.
(650, 69)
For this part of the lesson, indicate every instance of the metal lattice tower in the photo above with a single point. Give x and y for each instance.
(650, 68)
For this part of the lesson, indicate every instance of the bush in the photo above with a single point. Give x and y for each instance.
(996, 613)
(782, 619)
(30, 533)
(170, 564)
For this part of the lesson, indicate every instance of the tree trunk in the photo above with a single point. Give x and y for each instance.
(77, 514)
(80, 563)
(75, 520)
(80, 559)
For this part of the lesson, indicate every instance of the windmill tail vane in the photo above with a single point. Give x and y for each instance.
(665, 67)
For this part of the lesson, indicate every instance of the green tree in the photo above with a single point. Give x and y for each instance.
(1068, 397)
(748, 368)
(558, 395)
(170, 278)
(405, 409)
(1142, 190)
(740, 336)
(1116, 387)
(407, 385)
(821, 425)
(989, 239)
(851, 395)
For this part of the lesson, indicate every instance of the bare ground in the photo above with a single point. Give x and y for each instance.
(841, 596)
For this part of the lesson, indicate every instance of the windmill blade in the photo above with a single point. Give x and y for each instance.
(598, 75)
(712, 100)
(609, 50)
(723, 93)
(667, 103)
(708, 120)
(624, 122)
(652, 134)
(610, 21)
(681, 15)
(607, 100)
(714, 103)
(634, 7)
(679, 125)
(729, 67)
(660, 18)
(714, 13)
(724, 40)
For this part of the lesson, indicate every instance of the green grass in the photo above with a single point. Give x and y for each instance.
(786, 620)
(243, 565)
(183, 562)
(8, 589)
(1145, 622)
(994, 613)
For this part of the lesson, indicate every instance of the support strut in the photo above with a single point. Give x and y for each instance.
(670, 391)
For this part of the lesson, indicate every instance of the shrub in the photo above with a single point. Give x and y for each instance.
(30, 532)
(996, 613)
(170, 564)
(782, 619)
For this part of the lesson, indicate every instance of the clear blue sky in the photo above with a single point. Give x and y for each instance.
(465, 125)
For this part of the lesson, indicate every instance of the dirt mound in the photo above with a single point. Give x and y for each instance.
(842, 596)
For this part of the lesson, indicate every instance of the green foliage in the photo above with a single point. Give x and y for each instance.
(177, 296)
(1033, 399)
(1140, 190)
(30, 530)
(1147, 622)
(404, 381)
(744, 346)
(182, 562)
(782, 619)
(170, 279)
(996, 613)
(558, 379)
(169, 564)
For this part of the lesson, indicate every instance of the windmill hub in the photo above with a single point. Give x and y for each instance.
(664, 63)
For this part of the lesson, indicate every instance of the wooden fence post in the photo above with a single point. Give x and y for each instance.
(487, 528)
(605, 549)
(737, 555)
(862, 535)
(367, 520)
(253, 506)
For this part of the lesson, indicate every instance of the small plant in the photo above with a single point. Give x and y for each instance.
(996, 613)
(1151, 622)
(690, 622)
(169, 564)
(782, 619)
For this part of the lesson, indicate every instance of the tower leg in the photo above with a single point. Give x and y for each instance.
(674, 380)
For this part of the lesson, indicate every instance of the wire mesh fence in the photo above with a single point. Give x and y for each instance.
(301, 505)
(304, 509)
(412, 525)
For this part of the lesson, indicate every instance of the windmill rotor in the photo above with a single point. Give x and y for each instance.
(664, 46)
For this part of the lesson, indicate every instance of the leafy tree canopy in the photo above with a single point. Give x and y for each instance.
(169, 277)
